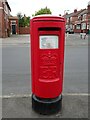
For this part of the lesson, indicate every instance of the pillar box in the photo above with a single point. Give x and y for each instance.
(47, 62)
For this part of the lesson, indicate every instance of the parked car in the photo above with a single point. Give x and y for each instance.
(70, 31)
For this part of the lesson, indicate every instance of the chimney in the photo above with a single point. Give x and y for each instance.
(75, 10)
(66, 13)
(88, 7)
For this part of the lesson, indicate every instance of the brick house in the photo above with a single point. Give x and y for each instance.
(79, 20)
(83, 22)
(13, 25)
(88, 7)
(72, 18)
(4, 21)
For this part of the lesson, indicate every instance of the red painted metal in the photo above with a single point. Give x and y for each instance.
(47, 64)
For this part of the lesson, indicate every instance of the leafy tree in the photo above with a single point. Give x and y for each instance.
(42, 11)
(26, 21)
(23, 20)
(19, 15)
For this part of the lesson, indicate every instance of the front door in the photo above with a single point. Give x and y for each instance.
(13, 29)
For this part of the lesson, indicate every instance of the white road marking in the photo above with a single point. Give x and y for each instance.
(15, 96)
(29, 95)
(76, 94)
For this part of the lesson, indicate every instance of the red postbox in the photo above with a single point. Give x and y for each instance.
(47, 62)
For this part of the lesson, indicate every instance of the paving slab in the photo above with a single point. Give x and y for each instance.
(73, 106)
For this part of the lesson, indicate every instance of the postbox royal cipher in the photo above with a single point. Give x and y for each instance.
(47, 62)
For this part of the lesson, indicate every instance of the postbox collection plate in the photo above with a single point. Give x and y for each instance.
(48, 42)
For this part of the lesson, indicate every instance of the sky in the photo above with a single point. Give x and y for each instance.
(57, 7)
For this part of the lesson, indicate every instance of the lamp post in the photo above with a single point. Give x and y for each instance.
(66, 18)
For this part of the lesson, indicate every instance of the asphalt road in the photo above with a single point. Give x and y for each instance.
(16, 73)
(16, 79)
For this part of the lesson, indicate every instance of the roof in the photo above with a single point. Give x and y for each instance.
(74, 14)
(7, 5)
(84, 12)
(68, 15)
(79, 12)
(13, 17)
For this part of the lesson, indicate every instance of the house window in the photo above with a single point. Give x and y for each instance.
(87, 26)
(71, 19)
(84, 17)
(78, 26)
(13, 22)
(66, 26)
(67, 20)
(79, 17)
(83, 26)
(71, 26)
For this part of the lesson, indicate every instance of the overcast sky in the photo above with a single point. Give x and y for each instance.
(57, 7)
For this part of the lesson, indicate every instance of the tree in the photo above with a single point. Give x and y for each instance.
(26, 21)
(23, 20)
(42, 11)
(19, 15)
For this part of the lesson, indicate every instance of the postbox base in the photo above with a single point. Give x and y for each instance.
(46, 106)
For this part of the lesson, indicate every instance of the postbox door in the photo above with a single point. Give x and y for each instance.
(49, 56)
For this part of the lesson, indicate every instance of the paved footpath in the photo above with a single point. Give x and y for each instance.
(71, 39)
(75, 105)
(16, 39)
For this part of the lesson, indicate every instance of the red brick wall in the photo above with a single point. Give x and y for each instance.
(74, 19)
(77, 31)
(0, 23)
(1, 11)
(17, 27)
(24, 30)
(4, 22)
(4, 26)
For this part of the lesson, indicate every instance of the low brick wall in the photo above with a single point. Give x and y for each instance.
(77, 31)
(24, 30)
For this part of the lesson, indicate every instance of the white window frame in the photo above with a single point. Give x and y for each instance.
(78, 26)
(83, 26)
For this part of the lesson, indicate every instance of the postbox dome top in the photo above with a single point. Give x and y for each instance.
(48, 17)
(44, 15)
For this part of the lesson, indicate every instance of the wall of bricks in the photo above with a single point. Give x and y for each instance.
(24, 30)
(77, 31)
(4, 22)
(0, 23)
(1, 11)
